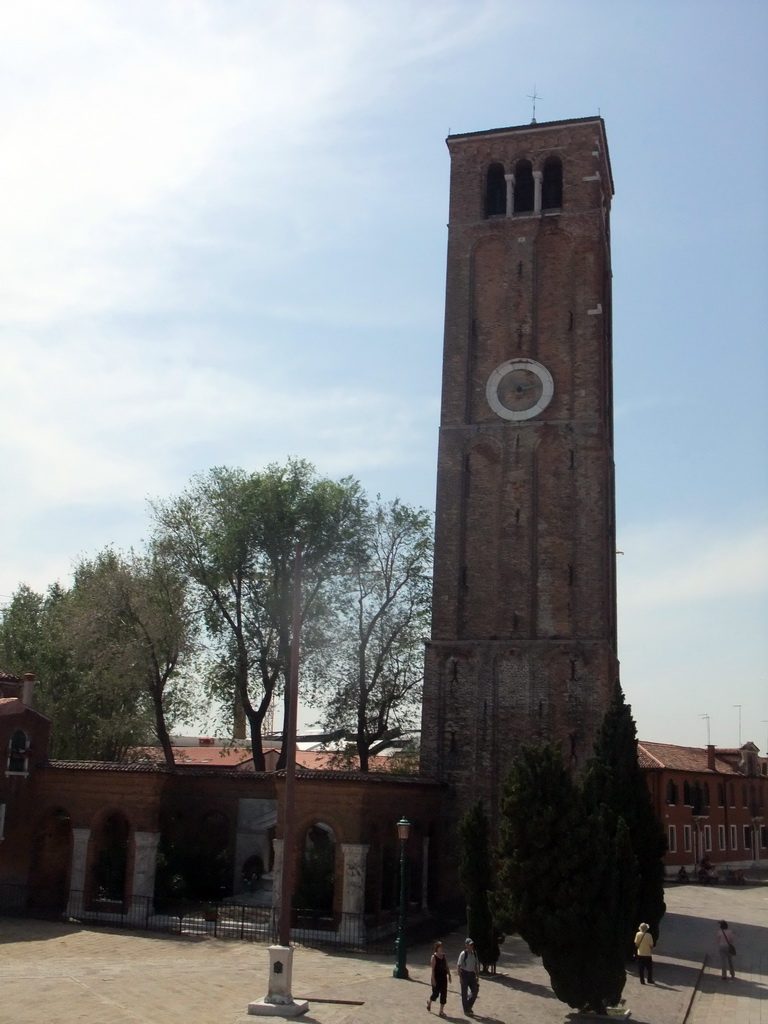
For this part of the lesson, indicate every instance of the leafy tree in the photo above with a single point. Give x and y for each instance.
(368, 684)
(97, 715)
(476, 876)
(107, 652)
(133, 623)
(561, 880)
(235, 534)
(614, 781)
(20, 631)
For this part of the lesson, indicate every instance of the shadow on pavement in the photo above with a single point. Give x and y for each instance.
(530, 988)
(682, 928)
(30, 929)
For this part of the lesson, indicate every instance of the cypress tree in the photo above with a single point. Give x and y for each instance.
(476, 876)
(615, 782)
(561, 877)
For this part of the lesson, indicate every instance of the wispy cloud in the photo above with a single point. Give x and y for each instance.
(163, 164)
(133, 124)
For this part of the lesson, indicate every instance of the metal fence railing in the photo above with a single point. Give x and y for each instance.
(226, 919)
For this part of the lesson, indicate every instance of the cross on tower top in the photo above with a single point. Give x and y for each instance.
(534, 97)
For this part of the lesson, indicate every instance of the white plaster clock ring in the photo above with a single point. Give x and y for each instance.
(519, 389)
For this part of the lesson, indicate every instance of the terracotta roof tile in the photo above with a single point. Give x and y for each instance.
(646, 759)
(684, 759)
(334, 775)
(214, 757)
(148, 768)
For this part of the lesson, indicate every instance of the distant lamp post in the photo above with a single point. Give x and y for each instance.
(401, 971)
(698, 845)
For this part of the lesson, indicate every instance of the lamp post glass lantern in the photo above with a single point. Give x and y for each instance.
(401, 971)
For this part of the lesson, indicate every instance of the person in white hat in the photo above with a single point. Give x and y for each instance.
(644, 945)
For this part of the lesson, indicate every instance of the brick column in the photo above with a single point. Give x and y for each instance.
(510, 180)
(537, 176)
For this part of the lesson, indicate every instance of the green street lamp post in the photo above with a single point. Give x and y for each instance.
(401, 971)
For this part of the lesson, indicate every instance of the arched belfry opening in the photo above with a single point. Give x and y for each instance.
(495, 191)
(524, 190)
(552, 184)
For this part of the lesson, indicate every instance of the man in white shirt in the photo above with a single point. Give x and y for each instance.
(468, 970)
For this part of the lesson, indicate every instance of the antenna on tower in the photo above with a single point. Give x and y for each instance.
(534, 97)
(708, 736)
(739, 707)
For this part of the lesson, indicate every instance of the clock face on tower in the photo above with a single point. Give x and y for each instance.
(519, 389)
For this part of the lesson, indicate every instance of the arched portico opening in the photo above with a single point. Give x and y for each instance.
(109, 866)
(317, 870)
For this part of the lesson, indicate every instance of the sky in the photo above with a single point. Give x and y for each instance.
(222, 242)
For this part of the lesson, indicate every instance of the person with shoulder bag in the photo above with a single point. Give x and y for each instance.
(644, 946)
(726, 944)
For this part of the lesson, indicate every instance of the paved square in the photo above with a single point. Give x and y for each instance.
(64, 974)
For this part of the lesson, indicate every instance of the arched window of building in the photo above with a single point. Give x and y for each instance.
(18, 753)
(720, 795)
(524, 191)
(731, 795)
(705, 794)
(495, 191)
(744, 801)
(552, 184)
(671, 792)
(687, 794)
(698, 798)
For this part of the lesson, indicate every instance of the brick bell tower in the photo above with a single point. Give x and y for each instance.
(523, 644)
